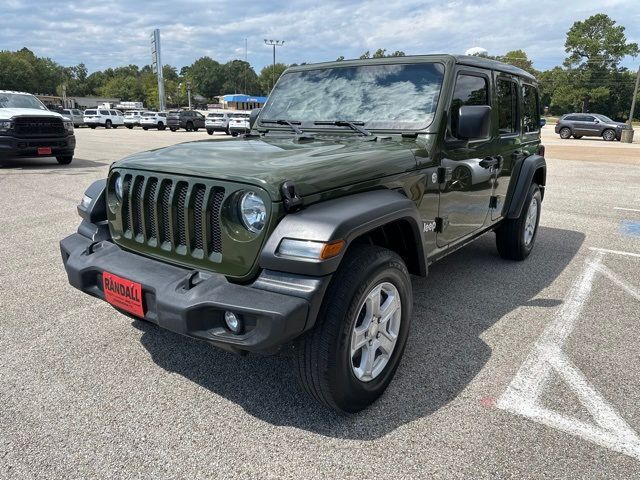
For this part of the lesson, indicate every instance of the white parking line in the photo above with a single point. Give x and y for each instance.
(547, 358)
(615, 252)
(627, 209)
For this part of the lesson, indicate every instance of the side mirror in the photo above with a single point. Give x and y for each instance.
(596, 121)
(253, 116)
(543, 122)
(474, 121)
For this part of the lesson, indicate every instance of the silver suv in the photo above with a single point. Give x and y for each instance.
(589, 125)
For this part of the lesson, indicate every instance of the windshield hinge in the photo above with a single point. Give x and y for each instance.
(292, 201)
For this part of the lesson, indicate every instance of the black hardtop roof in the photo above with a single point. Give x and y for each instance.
(472, 61)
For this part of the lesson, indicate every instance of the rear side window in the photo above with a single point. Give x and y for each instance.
(530, 109)
(89, 112)
(571, 118)
(507, 104)
(470, 90)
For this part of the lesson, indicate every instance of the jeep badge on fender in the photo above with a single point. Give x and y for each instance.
(305, 232)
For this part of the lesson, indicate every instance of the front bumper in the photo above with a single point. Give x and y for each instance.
(28, 147)
(276, 309)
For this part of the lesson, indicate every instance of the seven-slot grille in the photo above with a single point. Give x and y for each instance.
(38, 127)
(180, 215)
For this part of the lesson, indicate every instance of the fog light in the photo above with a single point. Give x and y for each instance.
(233, 321)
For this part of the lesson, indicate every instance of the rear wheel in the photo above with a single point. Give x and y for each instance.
(173, 129)
(234, 134)
(515, 236)
(145, 128)
(577, 137)
(92, 127)
(609, 135)
(565, 133)
(349, 358)
(161, 126)
(64, 159)
(129, 127)
(189, 127)
(210, 132)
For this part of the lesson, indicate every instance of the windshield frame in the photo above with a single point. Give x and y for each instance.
(392, 127)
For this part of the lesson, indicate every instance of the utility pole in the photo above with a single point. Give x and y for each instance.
(633, 100)
(189, 92)
(157, 67)
(274, 44)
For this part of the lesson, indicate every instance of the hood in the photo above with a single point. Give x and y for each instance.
(7, 113)
(316, 166)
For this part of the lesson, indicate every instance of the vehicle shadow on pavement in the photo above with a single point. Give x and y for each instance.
(464, 295)
(47, 163)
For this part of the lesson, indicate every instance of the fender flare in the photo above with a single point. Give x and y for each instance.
(525, 175)
(94, 223)
(344, 218)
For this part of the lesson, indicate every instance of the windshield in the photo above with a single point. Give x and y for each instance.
(382, 96)
(604, 119)
(19, 100)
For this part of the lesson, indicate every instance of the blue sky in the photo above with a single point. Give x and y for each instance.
(116, 32)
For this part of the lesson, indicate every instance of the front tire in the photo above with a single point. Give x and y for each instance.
(351, 355)
(609, 135)
(577, 137)
(108, 124)
(161, 126)
(65, 159)
(515, 237)
(565, 133)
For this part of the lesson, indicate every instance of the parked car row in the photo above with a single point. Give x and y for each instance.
(230, 122)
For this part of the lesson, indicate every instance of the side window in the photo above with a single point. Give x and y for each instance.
(470, 90)
(507, 105)
(104, 112)
(113, 112)
(589, 118)
(570, 118)
(530, 109)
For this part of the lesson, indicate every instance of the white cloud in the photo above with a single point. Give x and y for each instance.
(117, 32)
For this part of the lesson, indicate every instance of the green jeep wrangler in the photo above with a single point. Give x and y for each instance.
(305, 232)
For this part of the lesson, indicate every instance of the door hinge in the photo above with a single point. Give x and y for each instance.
(441, 224)
(444, 174)
(493, 201)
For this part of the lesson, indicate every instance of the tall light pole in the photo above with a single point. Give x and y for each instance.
(189, 92)
(633, 101)
(274, 44)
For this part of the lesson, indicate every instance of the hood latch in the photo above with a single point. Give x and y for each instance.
(292, 201)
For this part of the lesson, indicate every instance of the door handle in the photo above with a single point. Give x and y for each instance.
(489, 162)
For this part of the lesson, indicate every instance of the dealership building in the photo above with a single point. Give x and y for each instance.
(242, 102)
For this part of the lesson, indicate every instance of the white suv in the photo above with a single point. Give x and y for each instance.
(132, 118)
(153, 120)
(238, 123)
(217, 122)
(103, 118)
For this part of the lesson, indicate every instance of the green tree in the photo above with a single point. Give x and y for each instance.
(265, 77)
(518, 58)
(381, 53)
(208, 77)
(240, 78)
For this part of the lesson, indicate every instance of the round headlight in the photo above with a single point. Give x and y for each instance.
(118, 186)
(253, 212)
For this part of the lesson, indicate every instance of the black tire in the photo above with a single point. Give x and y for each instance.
(173, 129)
(189, 127)
(510, 235)
(234, 134)
(226, 131)
(322, 356)
(145, 128)
(130, 127)
(92, 127)
(461, 179)
(609, 135)
(64, 160)
(565, 133)
(108, 124)
(577, 137)
(210, 132)
(161, 126)
(195, 129)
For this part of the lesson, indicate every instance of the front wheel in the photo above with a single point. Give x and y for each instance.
(609, 135)
(161, 126)
(577, 137)
(515, 236)
(108, 124)
(351, 355)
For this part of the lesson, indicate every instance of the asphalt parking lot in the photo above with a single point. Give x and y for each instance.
(512, 370)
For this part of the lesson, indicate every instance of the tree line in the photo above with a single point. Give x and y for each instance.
(590, 78)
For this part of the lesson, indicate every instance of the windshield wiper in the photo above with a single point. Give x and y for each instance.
(292, 124)
(344, 123)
